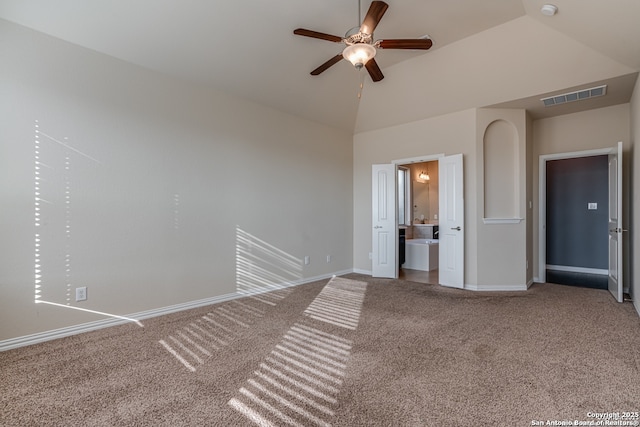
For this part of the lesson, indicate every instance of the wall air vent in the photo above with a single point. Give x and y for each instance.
(578, 95)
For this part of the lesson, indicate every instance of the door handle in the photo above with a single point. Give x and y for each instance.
(617, 230)
(456, 228)
(378, 226)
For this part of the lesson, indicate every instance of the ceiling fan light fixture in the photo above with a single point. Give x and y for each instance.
(359, 54)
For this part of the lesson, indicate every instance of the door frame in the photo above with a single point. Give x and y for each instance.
(542, 201)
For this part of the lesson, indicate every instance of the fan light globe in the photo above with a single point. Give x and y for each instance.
(359, 54)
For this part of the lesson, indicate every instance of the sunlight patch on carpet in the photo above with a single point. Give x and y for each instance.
(299, 381)
(195, 343)
(338, 305)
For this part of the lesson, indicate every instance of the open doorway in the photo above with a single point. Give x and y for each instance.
(418, 209)
(577, 234)
(450, 233)
(614, 229)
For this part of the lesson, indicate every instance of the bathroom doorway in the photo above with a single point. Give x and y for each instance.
(418, 208)
(450, 235)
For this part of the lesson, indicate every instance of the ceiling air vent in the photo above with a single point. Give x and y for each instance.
(578, 95)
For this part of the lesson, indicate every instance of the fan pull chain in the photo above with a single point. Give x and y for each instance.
(361, 85)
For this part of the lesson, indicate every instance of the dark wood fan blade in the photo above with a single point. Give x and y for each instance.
(374, 15)
(317, 35)
(406, 44)
(326, 65)
(374, 70)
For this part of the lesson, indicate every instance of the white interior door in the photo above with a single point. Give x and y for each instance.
(451, 222)
(615, 222)
(385, 228)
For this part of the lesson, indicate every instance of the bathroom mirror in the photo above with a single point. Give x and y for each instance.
(424, 192)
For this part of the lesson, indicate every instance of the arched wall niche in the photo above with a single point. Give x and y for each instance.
(501, 170)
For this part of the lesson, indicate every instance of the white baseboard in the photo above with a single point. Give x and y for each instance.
(636, 304)
(497, 288)
(490, 288)
(100, 324)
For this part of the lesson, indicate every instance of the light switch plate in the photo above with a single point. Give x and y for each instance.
(592, 206)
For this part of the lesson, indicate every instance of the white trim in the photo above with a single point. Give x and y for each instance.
(537, 280)
(497, 288)
(599, 271)
(542, 199)
(40, 337)
(636, 304)
(100, 324)
(576, 154)
(502, 220)
(480, 288)
(361, 271)
(429, 158)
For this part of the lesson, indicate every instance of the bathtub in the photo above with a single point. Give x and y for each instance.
(421, 254)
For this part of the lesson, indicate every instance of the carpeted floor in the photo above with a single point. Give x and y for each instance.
(353, 351)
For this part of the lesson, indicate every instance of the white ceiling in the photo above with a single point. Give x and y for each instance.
(247, 47)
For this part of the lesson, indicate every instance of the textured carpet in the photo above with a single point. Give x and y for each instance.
(353, 351)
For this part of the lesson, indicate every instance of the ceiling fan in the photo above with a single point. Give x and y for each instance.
(361, 48)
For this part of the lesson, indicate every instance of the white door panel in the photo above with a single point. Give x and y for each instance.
(451, 223)
(384, 221)
(615, 222)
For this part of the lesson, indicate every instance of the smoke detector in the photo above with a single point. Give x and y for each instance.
(549, 10)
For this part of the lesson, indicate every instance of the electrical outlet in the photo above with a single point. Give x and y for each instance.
(328, 259)
(370, 255)
(307, 260)
(435, 216)
(81, 294)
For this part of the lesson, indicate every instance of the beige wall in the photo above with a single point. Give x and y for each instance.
(464, 75)
(502, 247)
(166, 181)
(449, 134)
(495, 255)
(594, 129)
(634, 232)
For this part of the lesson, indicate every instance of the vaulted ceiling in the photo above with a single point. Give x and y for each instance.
(486, 53)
